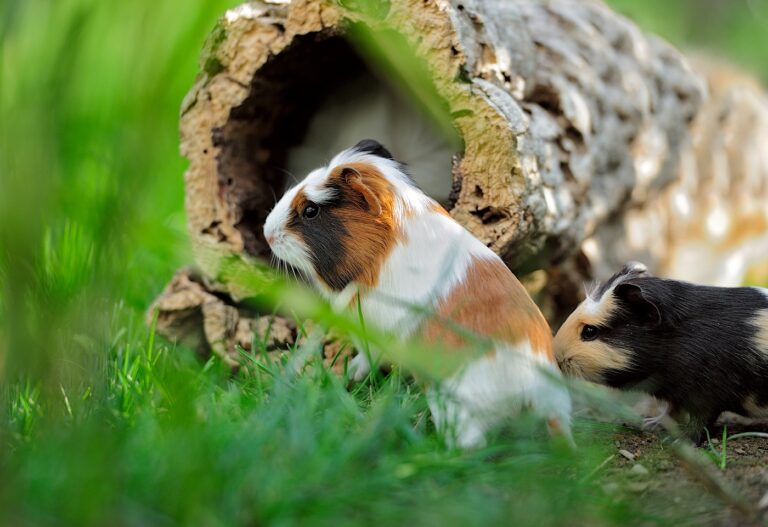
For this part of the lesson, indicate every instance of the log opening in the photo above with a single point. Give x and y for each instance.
(313, 99)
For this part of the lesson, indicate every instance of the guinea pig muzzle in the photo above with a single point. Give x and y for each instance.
(564, 364)
(570, 367)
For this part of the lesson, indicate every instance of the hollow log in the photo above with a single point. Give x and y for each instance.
(567, 128)
(566, 112)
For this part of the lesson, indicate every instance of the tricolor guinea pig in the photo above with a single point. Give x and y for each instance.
(702, 349)
(360, 228)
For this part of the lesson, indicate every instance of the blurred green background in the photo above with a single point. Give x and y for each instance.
(736, 30)
(91, 205)
(96, 420)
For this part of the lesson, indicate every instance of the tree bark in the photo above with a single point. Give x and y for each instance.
(574, 126)
(710, 224)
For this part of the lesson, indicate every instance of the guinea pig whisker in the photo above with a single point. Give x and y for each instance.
(287, 173)
(590, 288)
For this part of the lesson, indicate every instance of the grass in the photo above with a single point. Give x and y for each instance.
(718, 455)
(102, 423)
(161, 439)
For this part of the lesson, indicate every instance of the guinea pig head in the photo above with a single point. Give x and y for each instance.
(339, 224)
(601, 340)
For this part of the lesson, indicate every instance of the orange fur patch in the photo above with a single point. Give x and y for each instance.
(490, 302)
(372, 229)
(588, 359)
(298, 201)
(440, 209)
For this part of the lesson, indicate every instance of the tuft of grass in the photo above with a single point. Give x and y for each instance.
(749, 434)
(718, 455)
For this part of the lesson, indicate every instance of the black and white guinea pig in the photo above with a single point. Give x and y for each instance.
(360, 226)
(702, 349)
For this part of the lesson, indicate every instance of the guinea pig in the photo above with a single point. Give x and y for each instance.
(703, 350)
(361, 230)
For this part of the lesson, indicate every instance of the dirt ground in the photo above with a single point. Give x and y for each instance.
(645, 466)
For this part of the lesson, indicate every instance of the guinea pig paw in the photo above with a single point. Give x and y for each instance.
(358, 368)
(469, 436)
(653, 424)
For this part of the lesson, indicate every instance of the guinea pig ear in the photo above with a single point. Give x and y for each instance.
(371, 146)
(356, 183)
(633, 298)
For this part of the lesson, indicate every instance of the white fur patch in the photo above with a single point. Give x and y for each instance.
(314, 186)
(636, 267)
(278, 217)
(495, 388)
(430, 261)
(286, 246)
(421, 271)
(590, 306)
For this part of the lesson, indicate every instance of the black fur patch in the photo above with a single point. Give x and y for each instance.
(371, 146)
(700, 355)
(327, 236)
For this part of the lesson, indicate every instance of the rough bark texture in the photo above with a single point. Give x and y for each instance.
(200, 314)
(566, 112)
(710, 224)
(575, 125)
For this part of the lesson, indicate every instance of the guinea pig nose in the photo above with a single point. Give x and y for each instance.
(270, 239)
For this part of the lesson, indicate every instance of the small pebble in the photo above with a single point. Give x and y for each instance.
(638, 470)
(638, 486)
(611, 488)
(763, 503)
(739, 451)
(627, 454)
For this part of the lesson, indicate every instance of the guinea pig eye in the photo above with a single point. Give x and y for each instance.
(311, 210)
(589, 332)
